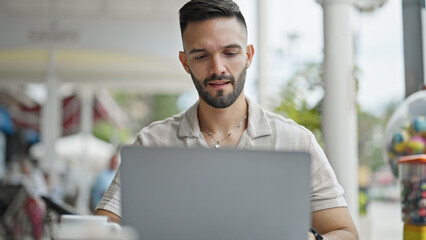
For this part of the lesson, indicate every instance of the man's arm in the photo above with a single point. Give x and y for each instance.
(335, 223)
(112, 216)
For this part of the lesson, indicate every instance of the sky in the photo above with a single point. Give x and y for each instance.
(380, 56)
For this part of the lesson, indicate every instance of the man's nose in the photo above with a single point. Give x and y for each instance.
(217, 66)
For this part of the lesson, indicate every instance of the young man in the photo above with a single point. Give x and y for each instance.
(216, 55)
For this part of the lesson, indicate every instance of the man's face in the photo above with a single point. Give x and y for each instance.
(217, 57)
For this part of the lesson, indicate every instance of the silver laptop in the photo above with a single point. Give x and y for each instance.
(203, 194)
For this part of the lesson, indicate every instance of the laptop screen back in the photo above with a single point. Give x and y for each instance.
(188, 194)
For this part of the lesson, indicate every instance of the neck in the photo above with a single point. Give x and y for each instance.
(221, 120)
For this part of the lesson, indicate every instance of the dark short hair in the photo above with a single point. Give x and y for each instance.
(200, 10)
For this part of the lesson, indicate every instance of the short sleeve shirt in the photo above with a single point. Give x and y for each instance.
(265, 131)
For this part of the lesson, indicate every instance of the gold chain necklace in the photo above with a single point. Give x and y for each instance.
(218, 141)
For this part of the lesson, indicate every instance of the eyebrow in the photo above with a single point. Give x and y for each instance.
(198, 50)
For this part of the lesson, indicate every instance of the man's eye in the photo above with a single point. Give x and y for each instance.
(230, 54)
(200, 57)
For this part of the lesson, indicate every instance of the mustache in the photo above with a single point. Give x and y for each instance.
(218, 77)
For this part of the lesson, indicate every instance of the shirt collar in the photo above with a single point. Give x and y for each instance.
(258, 124)
(189, 126)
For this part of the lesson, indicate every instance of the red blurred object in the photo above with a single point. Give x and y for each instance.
(36, 212)
(30, 117)
(383, 177)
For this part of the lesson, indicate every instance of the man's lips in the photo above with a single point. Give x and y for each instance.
(219, 84)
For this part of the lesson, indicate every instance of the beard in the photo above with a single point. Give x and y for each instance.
(220, 100)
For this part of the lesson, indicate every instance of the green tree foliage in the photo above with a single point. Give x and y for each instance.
(106, 131)
(370, 139)
(296, 92)
(164, 106)
(141, 110)
(301, 101)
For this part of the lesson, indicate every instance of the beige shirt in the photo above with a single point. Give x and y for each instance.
(265, 130)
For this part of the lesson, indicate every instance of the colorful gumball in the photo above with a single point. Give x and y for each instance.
(399, 137)
(398, 142)
(422, 203)
(400, 147)
(415, 145)
(418, 126)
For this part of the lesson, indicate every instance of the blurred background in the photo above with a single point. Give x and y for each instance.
(79, 78)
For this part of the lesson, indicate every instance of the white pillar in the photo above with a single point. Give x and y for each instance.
(339, 117)
(51, 123)
(262, 53)
(86, 126)
(86, 111)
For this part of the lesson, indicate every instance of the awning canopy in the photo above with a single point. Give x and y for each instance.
(151, 74)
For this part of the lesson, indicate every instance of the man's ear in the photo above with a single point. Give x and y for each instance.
(184, 61)
(250, 53)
